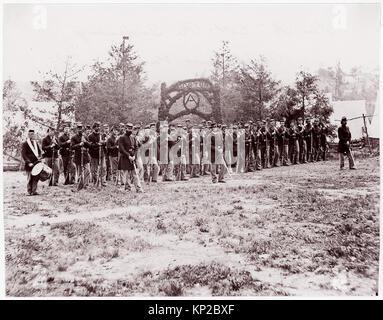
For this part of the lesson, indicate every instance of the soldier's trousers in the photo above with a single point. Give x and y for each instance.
(151, 171)
(303, 151)
(205, 168)
(221, 172)
(113, 161)
(324, 151)
(131, 179)
(350, 157)
(31, 182)
(140, 168)
(309, 153)
(284, 154)
(53, 163)
(248, 159)
(265, 156)
(79, 171)
(168, 172)
(194, 170)
(94, 167)
(69, 169)
(162, 169)
(180, 171)
(274, 155)
(317, 152)
(257, 157)
(108, 168)
(294, 151)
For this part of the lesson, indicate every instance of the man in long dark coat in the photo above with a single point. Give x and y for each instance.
(344, 136)
(127, 148)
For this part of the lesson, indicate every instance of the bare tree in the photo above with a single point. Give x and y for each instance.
(61, 89)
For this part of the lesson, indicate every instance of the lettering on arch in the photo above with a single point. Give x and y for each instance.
(190, 91)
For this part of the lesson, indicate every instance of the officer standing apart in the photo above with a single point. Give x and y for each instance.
(344, 136)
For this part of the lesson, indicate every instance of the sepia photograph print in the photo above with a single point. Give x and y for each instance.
(191, 150)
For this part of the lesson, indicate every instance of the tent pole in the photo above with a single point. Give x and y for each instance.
(365, 128)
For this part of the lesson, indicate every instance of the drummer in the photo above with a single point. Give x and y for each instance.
(31, 154)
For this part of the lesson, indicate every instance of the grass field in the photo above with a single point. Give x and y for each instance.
(301, 230)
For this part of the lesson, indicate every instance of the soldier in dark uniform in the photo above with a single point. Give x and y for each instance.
(274, 149)
(308, 136)
(97, 155)
(248, 145)
(323, 139)
(50, 148)
(153, 167)
(182, 152)
(293, 143)
(194, 155)
(344, 136)
(31, 153)
(301, 141)
(112, 149)
(80, 146)
(127, 149)
(105, 135)
(217, 161)
(316, 131)
(283, 142)
(256, 141)
(171, 140)
(264, 139)
(66, 155)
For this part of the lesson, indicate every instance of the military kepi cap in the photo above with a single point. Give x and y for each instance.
(344, 118)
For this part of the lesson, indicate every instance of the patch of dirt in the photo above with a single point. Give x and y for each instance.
(298, 230)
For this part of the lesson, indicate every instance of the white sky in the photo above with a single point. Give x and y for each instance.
(177, 41)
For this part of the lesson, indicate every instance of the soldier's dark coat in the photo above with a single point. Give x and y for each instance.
(94, 150)
(126, 147)
(344, 135)
(75, 145)
(49, 151)
(112, 146)
(64, 143)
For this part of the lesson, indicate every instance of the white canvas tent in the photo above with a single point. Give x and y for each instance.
(354, 111)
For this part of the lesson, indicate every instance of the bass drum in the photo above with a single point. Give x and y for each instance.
(42, 171)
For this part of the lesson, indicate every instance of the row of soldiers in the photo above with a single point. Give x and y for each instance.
(266, 145)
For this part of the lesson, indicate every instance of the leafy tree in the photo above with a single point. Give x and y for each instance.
(306, 86)
(224, 75)
(115, 90)
(321, 106)
(286, 105)
(258, 89)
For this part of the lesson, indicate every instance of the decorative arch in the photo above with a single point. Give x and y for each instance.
(190, 91)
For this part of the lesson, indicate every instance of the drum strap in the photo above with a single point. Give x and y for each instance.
(33, 148)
